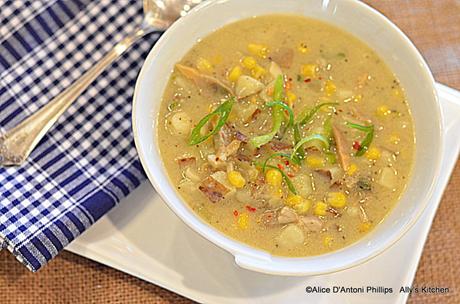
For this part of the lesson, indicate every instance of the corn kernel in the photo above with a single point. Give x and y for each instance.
(203, 65)
(303, 48)
(257, 72)
(315, 161)
(290, 98)
(337, 199)
(394, 139)
(328, 240)
(249, 62)
(234, 74)
(243, 221)
(308, 70)
(383, 111)
(293, 200)
(373, 153)
(274, 177)
(258, 50)
(320, 209)
(303, 207)
(236, 179)
(352, 169)
(364, 227)
(330, 88)
(357, 98)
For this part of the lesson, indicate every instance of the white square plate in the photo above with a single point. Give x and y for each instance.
(142, 237)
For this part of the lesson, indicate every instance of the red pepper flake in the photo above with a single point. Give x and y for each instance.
(320, 78)
(286, 162)
(290, 79)
(280, 166)
(356, 145)
(290, 174)
(251, 209)
(307, 80)
(235, 212)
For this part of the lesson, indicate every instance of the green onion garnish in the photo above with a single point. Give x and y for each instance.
(289, 183)
(315, 137)
(281, 154)
(223, 111)
(284, 106)
(277, 114)
(297, 138)
(307, 116)
(369, 130)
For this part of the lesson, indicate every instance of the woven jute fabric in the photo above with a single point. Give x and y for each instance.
(434, 27)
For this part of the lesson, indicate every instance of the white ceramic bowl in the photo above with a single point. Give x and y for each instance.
(354, 17)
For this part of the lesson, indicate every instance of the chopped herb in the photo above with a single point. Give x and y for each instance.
(307, 116)
(173, 105)
(364, 145)
(312, 138)
(285, 155)
(277, 114)
(364, 184)
(223, 111)
(298, 137)
(284, 106)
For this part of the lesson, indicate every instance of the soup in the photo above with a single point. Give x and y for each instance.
(287, 134)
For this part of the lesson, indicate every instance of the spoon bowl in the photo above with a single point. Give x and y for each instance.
(17, 143)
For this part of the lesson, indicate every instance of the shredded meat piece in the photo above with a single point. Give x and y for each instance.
(186, 162)
(255, 114)
(214, 190)
(230, 149)
(224, 137)
(279, 145)
(311, 223)
(241, 137)
(283, 57)
(342, 147)
(287, 215)
(243, 157)
(334, 174)
(268, 218)
(202, 79)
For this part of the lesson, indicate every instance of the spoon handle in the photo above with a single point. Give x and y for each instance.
(17, 143)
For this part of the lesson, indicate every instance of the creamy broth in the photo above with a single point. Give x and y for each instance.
(349, 111)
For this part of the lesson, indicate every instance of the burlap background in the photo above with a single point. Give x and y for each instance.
(434, 26)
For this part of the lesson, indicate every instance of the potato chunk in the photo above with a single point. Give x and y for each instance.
(291, 236)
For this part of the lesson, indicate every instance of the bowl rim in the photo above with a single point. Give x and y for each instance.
(247, 259)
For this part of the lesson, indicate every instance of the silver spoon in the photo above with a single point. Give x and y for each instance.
(17, 143)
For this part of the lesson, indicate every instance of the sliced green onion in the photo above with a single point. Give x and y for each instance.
(284, 106)
(297, 138)
(223, 111)
(367, 140)
(289, 183)
(277, 115)
(327, 126)
(315, 137)
(281, 154)
(331, 157)
(360, 127)
(307, 116)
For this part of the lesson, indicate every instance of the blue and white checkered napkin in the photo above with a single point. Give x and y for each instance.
(87, 162)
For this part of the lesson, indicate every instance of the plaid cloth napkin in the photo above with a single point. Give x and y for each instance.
(87, 162)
